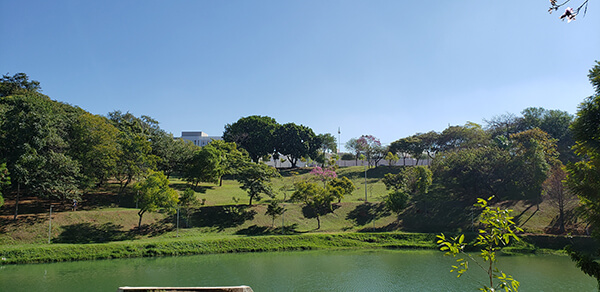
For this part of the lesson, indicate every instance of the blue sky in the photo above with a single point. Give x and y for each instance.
(385, 68)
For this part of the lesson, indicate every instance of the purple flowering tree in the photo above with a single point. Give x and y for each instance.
(371, 147)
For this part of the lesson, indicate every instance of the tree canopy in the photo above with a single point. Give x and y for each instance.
(255, 134)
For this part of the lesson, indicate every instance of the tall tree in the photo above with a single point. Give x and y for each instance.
(135, 156)
(556, 193)
(327, 145)
(583, 177)
(232, 158)
(253, 133)
(469, 173)
(34, 137)
(94, 145)
(354, 147)
(18, 84)
(296, 141)
(470, 135)
(412, 146)
(554, 122)
(534, 151)
(4, 180)
(205, 166)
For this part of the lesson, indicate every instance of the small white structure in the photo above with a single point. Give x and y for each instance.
(199, 138)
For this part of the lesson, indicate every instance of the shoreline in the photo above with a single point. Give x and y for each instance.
(47, 253)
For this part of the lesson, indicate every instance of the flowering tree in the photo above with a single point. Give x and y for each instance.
(569, 13)
(323, 174)
(371, 147)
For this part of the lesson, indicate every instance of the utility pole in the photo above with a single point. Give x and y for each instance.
(339, 140)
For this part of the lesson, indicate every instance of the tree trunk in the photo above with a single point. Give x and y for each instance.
(318, 223)
(17, 201)
(250, 203)
(561, 219)
(140, 213)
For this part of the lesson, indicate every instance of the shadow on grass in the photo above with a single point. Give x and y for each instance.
(439, 216)
(256, 230)
(182, 186)
(367, 213)
(375, 174)
(156, 228)
(390, 227)
(288, 172)
(93, 233)
(222, 217)
(569, 223)
(22, 220)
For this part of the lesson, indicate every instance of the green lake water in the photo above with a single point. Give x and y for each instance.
(378, 270)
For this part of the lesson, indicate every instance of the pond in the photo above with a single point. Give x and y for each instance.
(378, 270)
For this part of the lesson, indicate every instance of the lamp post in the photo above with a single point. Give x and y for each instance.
(363, 158)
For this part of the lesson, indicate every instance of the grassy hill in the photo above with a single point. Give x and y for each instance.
(104, 216)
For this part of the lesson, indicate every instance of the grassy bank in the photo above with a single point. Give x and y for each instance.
(175, 246)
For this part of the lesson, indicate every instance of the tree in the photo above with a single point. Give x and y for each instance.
(256, 180)
(179, 156)
(135, 156)
(583, 178)
(412, 146)
(323, 174)
(34, 142)
(396, 201)
(94, 145)
(410, 182)
(18, 84)
(205, 166)
(154, 193)
(344, 184)
(327, 144)
(274, 210)
(504, 125)
(316, 199)
(557, 193)
(232, 158)
(470, 135)
(254, 134)
(468, 173)
(497, 231)
(534, 151)
(354, 146)
(391, 158)
(371, 147)
(296, 141)
(554, 122)
(187, 200)
(4, 180)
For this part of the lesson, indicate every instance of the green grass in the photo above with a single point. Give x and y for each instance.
(187, 246)
(107, 224)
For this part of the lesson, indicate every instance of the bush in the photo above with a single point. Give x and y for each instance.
(397, 201)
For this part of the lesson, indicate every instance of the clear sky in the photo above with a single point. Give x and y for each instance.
(385, 68)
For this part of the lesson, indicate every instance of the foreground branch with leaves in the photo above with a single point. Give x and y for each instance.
(497, 231)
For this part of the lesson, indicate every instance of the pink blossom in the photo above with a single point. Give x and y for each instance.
(323, 174)
(569, 14)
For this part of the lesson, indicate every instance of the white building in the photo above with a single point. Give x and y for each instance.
(199, 138)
